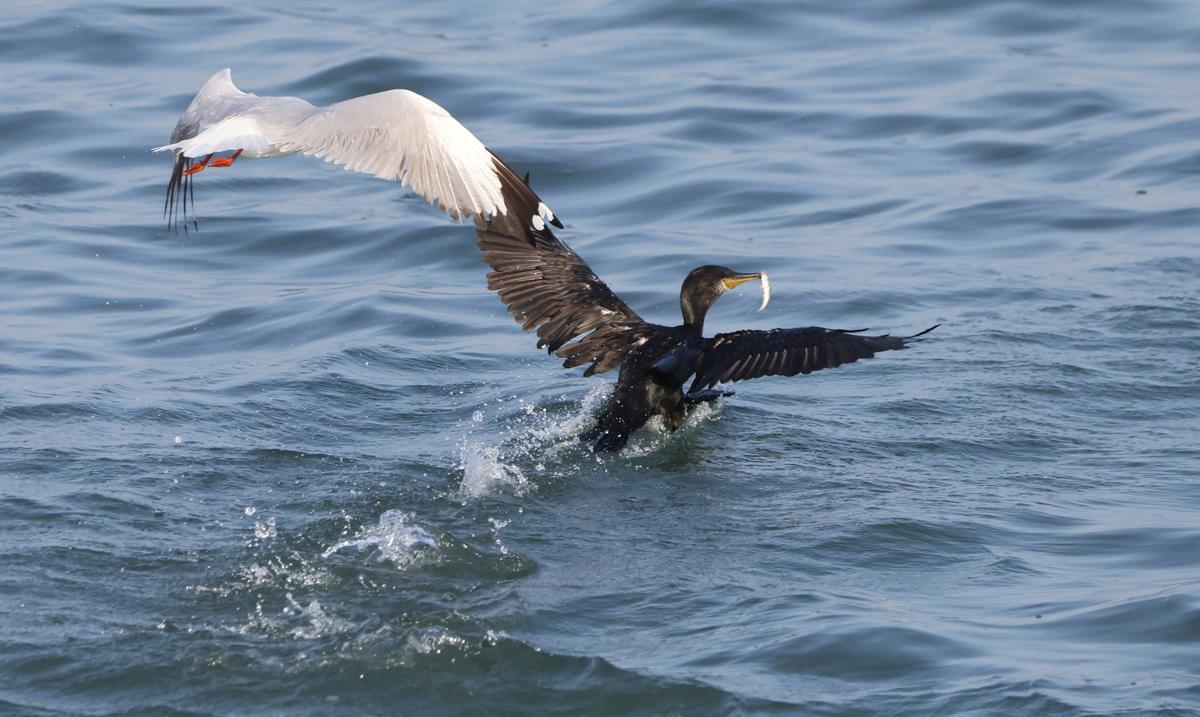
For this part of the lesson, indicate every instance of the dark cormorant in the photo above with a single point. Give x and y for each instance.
(547, 287)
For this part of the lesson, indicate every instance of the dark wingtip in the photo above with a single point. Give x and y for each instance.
(918, 335)
(521, 201)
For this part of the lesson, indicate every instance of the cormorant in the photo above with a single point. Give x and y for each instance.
(396, 134)
(548, 287)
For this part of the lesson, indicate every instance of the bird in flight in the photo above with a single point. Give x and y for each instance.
(549, 288)
(397, 134)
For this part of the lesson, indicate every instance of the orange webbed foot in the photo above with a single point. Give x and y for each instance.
(225, 161)
(197, 167)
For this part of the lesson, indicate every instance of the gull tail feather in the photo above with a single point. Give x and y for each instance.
(179, 193)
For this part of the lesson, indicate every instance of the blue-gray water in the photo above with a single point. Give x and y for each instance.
(302, 461)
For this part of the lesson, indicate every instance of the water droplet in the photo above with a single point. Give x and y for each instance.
(262, 531)
(179, 439)
(250, 510)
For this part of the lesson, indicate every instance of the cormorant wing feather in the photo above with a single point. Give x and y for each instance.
(742, 355)
(548, 287)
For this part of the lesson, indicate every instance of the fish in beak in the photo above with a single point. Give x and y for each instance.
(739, 279)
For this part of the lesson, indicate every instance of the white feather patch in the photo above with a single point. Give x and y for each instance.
(232, 133)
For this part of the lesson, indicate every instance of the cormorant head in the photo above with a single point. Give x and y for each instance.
(705, 285)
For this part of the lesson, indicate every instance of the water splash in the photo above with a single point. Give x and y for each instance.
(484, 472)
(317, 621)
(655, 434)
(396, 538)
(497, 526)
(434, 640)
(294, 620)
(265, 530)
(534, 436)
(535, 441)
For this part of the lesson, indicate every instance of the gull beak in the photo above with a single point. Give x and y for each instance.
(738, 279)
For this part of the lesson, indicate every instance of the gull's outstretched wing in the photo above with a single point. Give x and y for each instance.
(397, 134)
(549, 288)
(742, 355)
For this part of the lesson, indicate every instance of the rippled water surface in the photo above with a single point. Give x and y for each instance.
(301, 461)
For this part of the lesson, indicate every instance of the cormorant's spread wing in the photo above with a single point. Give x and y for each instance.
(549, 288)
(742, 355)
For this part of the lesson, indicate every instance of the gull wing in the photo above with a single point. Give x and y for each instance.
(217, 99)
(398, 134)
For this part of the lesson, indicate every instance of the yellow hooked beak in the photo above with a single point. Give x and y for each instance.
(730, 282)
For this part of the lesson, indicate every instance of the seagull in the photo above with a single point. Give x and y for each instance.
(396, 134)
(551, 289)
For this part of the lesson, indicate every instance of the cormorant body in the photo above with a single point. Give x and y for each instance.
(548, 287)
(641, 393)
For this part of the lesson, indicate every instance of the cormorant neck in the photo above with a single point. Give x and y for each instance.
(694, 308)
